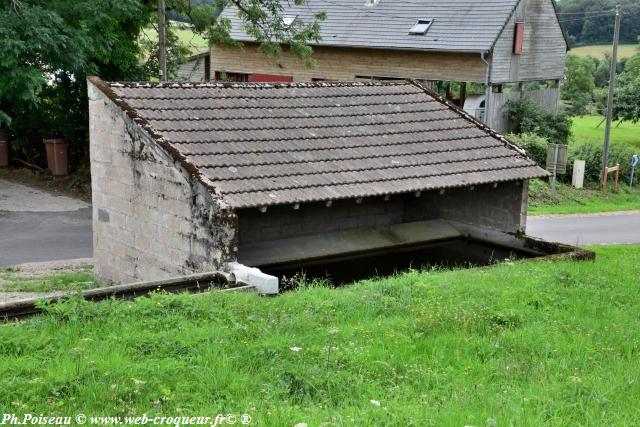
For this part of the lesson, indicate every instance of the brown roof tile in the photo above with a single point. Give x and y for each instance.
(265, 144)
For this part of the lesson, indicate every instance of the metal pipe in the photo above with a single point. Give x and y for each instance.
(487, 97)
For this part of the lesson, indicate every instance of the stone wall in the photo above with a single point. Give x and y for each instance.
(502, 207)
(151, 219)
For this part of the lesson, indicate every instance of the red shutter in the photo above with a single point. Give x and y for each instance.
(270, 78)
(518, 39)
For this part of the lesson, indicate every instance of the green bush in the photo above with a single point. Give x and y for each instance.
(591, 153)
(534, 145)
(529, 117)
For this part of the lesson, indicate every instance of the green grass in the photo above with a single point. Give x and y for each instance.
(195, 42)
(598, 51)
(584, 130)
(569, 200)
(523, 343)
(13, 280)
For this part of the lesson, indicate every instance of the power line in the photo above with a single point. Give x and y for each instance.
(587, 12)
(585, 17)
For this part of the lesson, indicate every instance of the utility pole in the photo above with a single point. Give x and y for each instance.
(162, 41)
(612, 87)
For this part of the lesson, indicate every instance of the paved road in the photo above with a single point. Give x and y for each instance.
(616, 227)
(39, 226)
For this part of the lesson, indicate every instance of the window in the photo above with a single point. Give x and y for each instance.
(232, 77)
(421, 27)
(270, 78)
(518, 39)
(368, 78)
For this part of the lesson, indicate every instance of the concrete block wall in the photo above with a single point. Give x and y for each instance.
(151, 219)
(503, 208)
(281, 222)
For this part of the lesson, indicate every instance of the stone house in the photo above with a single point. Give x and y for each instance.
(496, 43)
(188, 177)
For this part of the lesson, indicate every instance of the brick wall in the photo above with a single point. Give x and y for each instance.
(501, 208)
(346, 63)
(151, 219)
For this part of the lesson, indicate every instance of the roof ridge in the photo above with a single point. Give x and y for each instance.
(255, 85)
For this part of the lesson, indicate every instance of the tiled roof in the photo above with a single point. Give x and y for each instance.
(265, 144)
(458, 25)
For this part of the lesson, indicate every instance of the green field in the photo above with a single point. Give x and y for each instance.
(526, 343)
(569, 200)
(598, 51)
(584, 130)
(193, 41)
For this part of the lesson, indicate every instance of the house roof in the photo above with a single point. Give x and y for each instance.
(264, 144)
(458, 25)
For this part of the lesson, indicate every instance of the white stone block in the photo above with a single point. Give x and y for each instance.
(578, 173)
(264, 283)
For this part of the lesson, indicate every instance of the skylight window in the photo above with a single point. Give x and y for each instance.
(421, 27)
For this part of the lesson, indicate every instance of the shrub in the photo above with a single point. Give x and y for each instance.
(591, 153)
(529, 117)
(534, 145)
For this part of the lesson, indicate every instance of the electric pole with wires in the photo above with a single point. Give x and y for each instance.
(162, 41)
(612, 87)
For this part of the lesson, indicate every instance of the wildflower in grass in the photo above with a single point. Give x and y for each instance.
(375, 402)
(295, 349)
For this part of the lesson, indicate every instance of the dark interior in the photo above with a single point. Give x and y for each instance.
(346, 269)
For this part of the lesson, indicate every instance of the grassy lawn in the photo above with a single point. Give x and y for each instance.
(14, 280)
(193, 41)
(522, 343)
(569, 200)
(584, 130)
(598, 51)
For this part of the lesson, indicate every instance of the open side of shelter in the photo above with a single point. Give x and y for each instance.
(196, 177)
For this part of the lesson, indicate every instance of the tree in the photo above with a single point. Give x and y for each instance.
(627, 99)
(47, 47)
(591, 21)
(579, 85)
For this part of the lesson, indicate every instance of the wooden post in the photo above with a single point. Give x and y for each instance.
(162, 41)
(605, 177)
(612, 86)
(463, 94)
